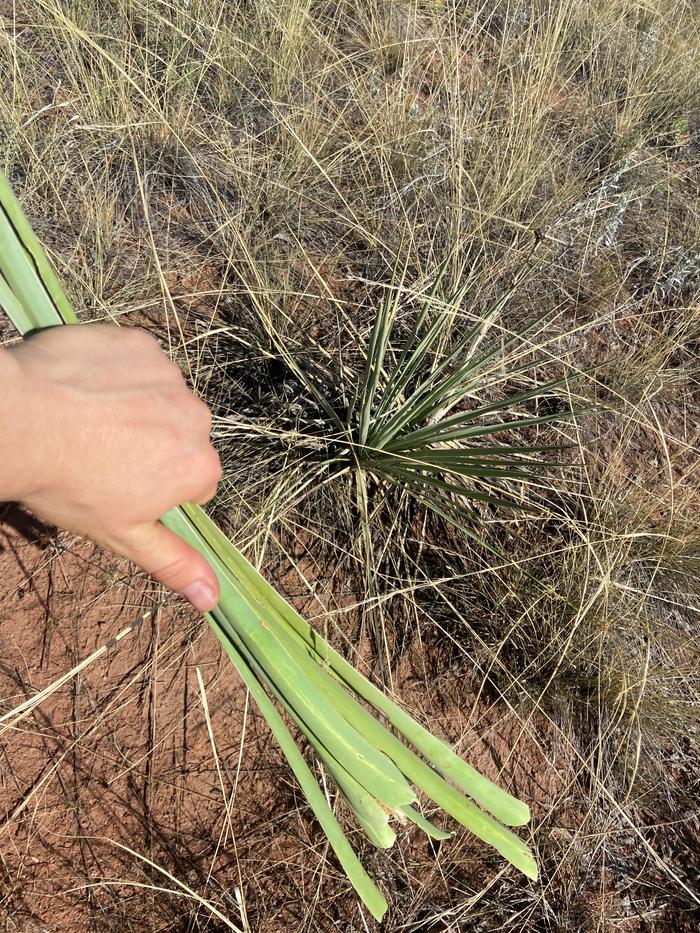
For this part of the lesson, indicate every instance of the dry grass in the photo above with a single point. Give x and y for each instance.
(243, 176)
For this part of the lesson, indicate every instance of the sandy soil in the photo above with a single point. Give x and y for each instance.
(122, 756)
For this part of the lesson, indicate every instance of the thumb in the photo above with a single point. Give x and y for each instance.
(179, 567)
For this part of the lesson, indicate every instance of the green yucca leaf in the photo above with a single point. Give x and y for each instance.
(426, 778)
(486, 828)
(487, 453)
(416, 481)
(450, 429)
(281, 658)
(370, 814)
(451, 375)
(418, 438)
(294, 681)
(451, 462)
(27, 271)
(13, 308)
(379, 341)
(503, 806)
(360, 880)
(427, 827)
(413, 354)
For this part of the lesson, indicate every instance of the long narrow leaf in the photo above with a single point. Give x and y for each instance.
(505, 807)
(360, 880)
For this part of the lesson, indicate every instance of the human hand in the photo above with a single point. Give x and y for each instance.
(101, 436)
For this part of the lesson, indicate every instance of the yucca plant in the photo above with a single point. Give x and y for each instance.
(375, 752)
(428, 413)
(418, 417)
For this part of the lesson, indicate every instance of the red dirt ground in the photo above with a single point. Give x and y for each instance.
(122, 756)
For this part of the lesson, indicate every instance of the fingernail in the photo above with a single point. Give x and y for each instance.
(201, 595)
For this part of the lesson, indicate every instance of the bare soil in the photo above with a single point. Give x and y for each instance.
(122, 757)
